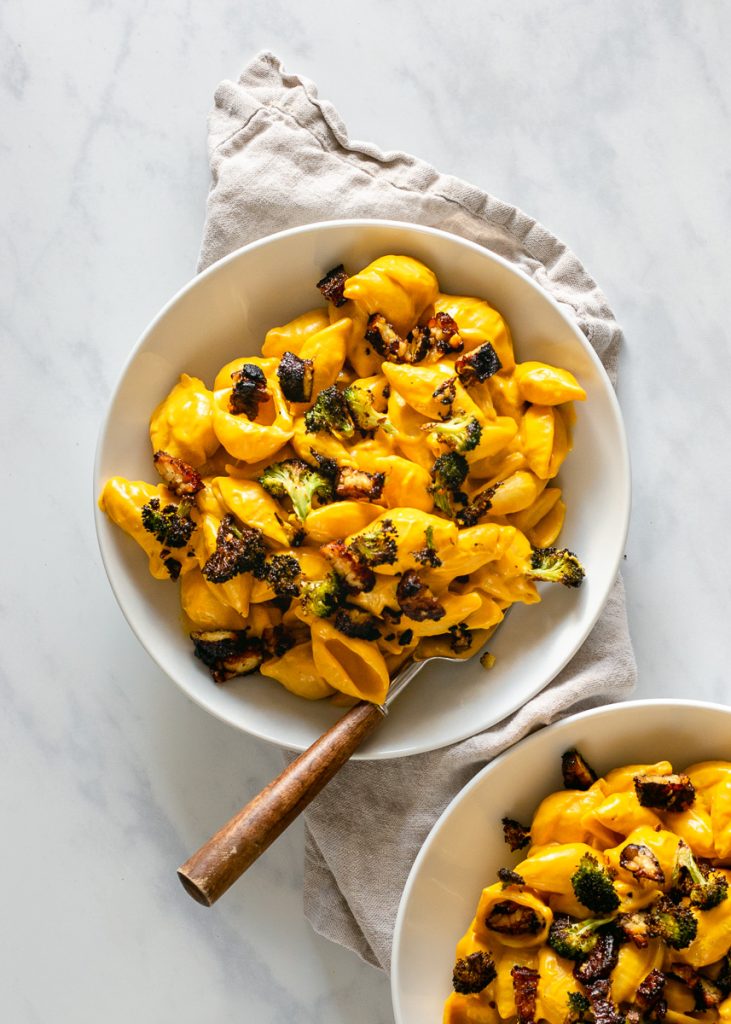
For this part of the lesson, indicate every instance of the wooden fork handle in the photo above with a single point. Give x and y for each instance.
(208, 873)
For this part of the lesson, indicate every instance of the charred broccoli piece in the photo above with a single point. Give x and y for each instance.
(517, 836)
(476, 366)
(576, 770)
(282, 573)
(579, 1008)
(665, 792)
(675, 924)
(357, 623)
(178, 476)
(460, 638)
(377, 544)
(323, 597)
(448, 474)
(445, 394)
(295, 480)
(348, 564)
(249, 391)
(508, 877)
(461, 433)
(238, 549)
(593, 886)
(525, 991)
(416, 600)
(170, 525)
(640, 861)
(473, 973)
(554, 565)
(480, 505)
(363, 412)
(428, 554)
(332, 284)
(330, 415)
(296, 377)
(574, 939)
(228, 653)
(358, 485)
(510, 918)
(704, 887)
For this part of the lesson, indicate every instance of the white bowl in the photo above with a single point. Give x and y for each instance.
(224, 313)
(464, 850)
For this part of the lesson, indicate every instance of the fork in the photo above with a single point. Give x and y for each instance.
(226, 856)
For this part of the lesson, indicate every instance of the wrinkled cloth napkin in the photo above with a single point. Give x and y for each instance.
(280, 157)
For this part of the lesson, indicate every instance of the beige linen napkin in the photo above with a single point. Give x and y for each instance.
(280, 156)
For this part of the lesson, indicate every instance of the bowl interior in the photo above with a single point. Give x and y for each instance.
(225, 313)
(465, 848)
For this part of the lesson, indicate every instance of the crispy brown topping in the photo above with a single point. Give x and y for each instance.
(228, 653)
(477, 366)
(357, 623)
(296, 377)
(238, 549)
(416, 599)
(358, 485)
(600, 962)
(445, 395)
(178, 476)
(635, 928)
(508, 877)
(249, 391)
(332, 285)
(525, 989)
(640, 861)
(517, 836)
(473, 973)
(665, 792)
(576, 770)
(650, 991)
(510, 918)
(346, 563)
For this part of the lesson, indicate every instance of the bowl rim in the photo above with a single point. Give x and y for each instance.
(562, 723)
(622, 510)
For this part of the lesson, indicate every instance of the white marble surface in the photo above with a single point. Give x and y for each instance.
(608, 122)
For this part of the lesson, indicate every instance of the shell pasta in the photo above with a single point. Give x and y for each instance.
(378, 485)
(619, 911)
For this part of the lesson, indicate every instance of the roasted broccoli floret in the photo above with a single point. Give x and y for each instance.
(238, 549)
(473, 973)
(295, 480)
(480, 505)
(332, 284)
(510, 918)
(593, 886)
(170, 525)
(357, 485)
(576, 770)
(349, 566)
(665, 792)
(363, 412)
(461, 433)
(228, 653)
(579, 1008)
(416, 600)
(554, 565)
(574, 939)
(377, 544)
(428, 554)
(508, 877)
(178, 476)
(323, 597)
(357, 623)
(282, 574)
(249, 391)
(296, 377)
(525, 991)
(476, 366)
(704, 887)
(517, 836)
(675, 924)
(641, 862)
(448, 474)
(330, 415)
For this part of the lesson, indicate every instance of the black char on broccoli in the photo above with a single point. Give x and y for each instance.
(294, 479)
(416, 600)
(676, 925)
(178, 476)
(473, 973)
(448, 474)
(330, 415)
(238, 549)
(593, 887)
(445, 394)
(249, 391)
(508, 877)
(170, 525)
(478, 365)
(357, 485)
(282, 573)
(704, 887)
(323, 597)
(332, 284)
(460, 638)
(665, 792)
(356, 623)
(377, 544)
(296, 377)
(363, 411)
(228, 653)
(478, 507)
(574, 939)
(517, 836)
(525, 991)
(554, 565)
(576, 771)
(460, 433)
(427, 555)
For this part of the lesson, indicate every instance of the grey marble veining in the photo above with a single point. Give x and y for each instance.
(610, 123)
